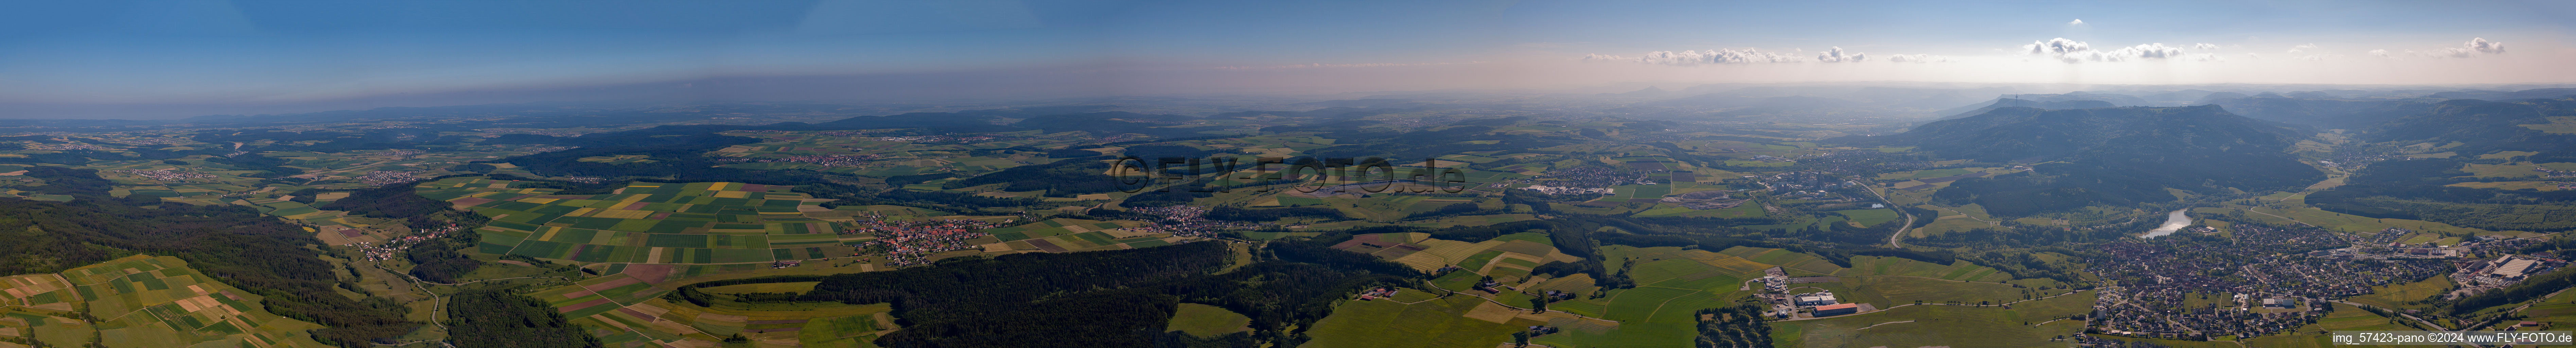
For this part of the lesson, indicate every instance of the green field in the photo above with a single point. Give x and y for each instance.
(669, 223)
(1435, 323)
(1956, 326)
(1890, 291)
(2397, 295)
(1208, 321)
(762, 287)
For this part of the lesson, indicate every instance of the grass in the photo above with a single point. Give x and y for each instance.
(1957, 326)
(797, 287)
(1879, 265)
(2397, 295)
(1890, 291)
(2557, 124)
(1640, 303)
(2500, 185)
(1870, 217)
(1435, 323)
(1208, 321)
(2500, 171)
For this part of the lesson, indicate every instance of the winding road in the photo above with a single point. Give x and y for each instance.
(1895, 240)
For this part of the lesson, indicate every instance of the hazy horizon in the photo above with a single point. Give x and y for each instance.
(164, 60)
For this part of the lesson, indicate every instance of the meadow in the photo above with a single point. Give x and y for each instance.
(2028, 324)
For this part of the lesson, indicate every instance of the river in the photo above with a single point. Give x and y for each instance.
(2173, 222)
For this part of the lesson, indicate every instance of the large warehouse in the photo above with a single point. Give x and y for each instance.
(1836, 309)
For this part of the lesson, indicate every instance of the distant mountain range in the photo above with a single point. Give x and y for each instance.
(2544, 93)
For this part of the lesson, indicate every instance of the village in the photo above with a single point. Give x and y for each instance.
(387, 177)
(1589, 178)
(393, 248)
(166, 174)
(1803, 184)
(822, 160)
(913, 242)
(1189, 221)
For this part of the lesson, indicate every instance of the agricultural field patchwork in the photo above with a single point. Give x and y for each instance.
(145, 301)
(659, 223)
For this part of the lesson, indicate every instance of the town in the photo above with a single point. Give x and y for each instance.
(2265, 280)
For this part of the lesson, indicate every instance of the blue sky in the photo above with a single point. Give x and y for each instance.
(68, 54)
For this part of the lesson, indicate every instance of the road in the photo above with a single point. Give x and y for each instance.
(1894, 240)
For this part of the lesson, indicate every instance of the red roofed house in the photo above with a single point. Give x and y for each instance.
(1837, 309)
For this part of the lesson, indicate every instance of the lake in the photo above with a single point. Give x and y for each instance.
(2173, 222)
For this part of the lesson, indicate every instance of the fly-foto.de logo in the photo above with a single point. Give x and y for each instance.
(1304, 174)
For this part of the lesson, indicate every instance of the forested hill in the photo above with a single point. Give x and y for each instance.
(2324, 113)
(2484, 126)
(2000, 103)
(2108, 155)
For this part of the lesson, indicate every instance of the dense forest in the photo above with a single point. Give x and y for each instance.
(1233, 213)
(1062, 178)
(498, 318)
(1118, 298)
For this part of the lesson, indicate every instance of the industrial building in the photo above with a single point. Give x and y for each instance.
(1836, 309)
(1815, 299)
(2513, 268)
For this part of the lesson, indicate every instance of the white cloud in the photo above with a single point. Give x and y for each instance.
(2076, 22)
(2253, 55)
(2203, 46)
(2473, 48)
(2483, 46)
(1836, 56)
(2379, 53)
(2072, 51)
